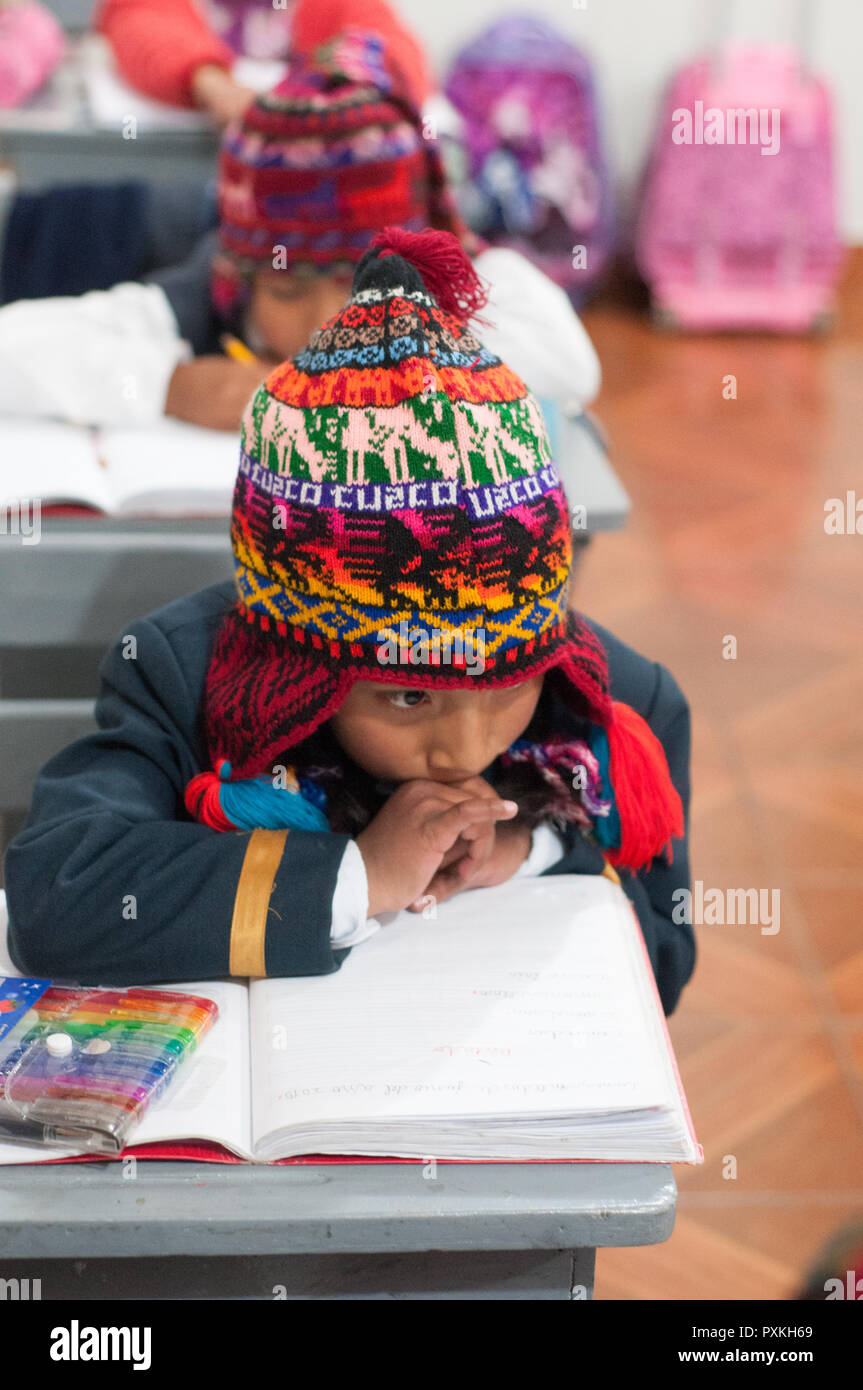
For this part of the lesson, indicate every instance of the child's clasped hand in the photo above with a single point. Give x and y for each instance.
(434, 839)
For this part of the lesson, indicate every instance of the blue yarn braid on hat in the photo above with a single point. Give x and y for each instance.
(282, 802)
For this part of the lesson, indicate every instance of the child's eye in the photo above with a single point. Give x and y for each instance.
(411, 698)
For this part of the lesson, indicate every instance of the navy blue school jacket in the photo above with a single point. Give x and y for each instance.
(110, 882)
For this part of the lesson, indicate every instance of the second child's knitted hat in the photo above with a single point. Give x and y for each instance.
(396, 488)
(314, 168)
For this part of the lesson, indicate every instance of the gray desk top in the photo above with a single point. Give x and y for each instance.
(177, 1208)
(588, 476)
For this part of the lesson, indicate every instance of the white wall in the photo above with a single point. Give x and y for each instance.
(636, 44)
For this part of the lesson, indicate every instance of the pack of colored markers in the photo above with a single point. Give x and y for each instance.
(79, 1067)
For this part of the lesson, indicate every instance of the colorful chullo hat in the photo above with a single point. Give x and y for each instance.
(317, 166)
(397, 473)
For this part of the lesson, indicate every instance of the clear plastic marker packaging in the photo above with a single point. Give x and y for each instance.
(80, 1068)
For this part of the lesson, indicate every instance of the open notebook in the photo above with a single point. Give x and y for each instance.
(522, 1023)
(166, 469)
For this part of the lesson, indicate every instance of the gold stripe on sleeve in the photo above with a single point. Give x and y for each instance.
(251, 904)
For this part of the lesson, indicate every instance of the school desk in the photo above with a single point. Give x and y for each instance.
(73, 150)
(361, 1231)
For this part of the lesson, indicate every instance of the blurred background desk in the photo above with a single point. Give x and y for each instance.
(54, 139)
(65, 600)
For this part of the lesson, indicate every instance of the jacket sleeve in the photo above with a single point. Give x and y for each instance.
(103, 358)
(535, 330)
(670, 945)
(110, 882)
(158, 44)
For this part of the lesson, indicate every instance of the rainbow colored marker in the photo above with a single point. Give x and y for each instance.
(95, 1059)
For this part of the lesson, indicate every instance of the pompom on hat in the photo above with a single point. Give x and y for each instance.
(396, 477)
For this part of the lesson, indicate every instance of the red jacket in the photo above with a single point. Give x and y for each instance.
(158, 44)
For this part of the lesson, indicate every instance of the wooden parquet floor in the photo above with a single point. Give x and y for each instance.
(727, 538)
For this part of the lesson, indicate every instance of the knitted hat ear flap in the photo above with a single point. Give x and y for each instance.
(230, 291)
(251, 674)
(647, 805)
(581, 672)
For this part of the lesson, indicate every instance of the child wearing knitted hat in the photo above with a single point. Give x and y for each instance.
(307, 176)
(396, 701)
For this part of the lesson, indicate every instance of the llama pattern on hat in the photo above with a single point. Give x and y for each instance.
(474, 442)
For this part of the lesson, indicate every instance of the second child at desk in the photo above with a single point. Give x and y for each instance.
(394, 703)
(308, 176)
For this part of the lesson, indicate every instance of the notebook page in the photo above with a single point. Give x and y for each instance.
(171, 469)
(50, 461)
(522, 999)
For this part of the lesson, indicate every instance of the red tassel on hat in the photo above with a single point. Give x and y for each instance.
(648, 803)
(444, 265)
(202, 801)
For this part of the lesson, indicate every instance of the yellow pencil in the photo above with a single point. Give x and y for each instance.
(237, 350)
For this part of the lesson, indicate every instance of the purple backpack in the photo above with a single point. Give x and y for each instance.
(737, 228)
(536, 175)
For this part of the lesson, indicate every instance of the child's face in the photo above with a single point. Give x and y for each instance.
(400, 734)
(286, 309)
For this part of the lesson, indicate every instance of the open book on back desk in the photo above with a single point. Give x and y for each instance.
(523, 1022)
(166, 469)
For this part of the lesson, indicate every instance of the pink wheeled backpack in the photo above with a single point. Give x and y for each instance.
(737, 227)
